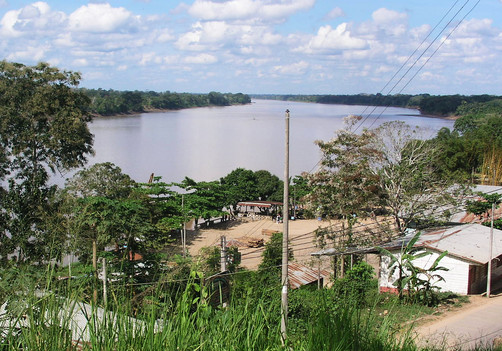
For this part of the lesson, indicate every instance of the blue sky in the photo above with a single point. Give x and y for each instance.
(263, 46)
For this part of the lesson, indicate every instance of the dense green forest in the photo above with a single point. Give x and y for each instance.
(442, 105)
(112, 102)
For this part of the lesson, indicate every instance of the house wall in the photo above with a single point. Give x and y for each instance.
(455, 279)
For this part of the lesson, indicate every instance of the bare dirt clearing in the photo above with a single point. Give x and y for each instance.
(246, 232)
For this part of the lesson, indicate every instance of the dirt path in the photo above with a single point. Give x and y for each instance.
(476, 323)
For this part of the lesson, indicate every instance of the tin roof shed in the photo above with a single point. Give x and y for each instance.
(299, 275)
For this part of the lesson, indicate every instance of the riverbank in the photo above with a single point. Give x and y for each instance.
(157, 110)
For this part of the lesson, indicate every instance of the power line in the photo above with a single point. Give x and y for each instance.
(418, 58)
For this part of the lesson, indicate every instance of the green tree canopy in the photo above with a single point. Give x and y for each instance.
(268, 186)
(240, 185)
(43, 128)
(391, 169)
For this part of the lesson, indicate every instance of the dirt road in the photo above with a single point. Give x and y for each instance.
(475, 324)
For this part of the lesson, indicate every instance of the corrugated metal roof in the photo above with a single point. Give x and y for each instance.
(468, 241)
(259, 203)
(299, 275)
(338, 252)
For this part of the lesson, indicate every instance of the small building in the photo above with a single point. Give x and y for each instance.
(300, 275)
(468, 248)
(259, 207)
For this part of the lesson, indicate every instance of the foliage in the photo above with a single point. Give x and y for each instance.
(474, 148)
(245, 185)
(418, 281)
(110, 102)
(167, 213)
(413, 189)
(390, 169)
(272, 255)
(356, 284)
(240, 185)
(442, 105)
(43, 129)
(480, 207)
(497, 224)
(101, 179)
(210, 258)
(344, 186)
(204, 200)
(460, 157)
(268, 186)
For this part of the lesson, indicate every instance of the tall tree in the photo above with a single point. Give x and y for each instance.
(91, 195)
(43, 129)
(268, 186)
(391, 168)
(204, 200)
(345, 186)
(413, 189)
(240, 185)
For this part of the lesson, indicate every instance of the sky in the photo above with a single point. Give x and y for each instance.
(263, 46)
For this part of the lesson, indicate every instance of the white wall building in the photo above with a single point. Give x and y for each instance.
(468, 248)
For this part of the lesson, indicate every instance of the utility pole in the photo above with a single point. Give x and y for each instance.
(285, 234)
(489, 276)
(223, 256)
(184, 234)
(294, 202)
(105, 278)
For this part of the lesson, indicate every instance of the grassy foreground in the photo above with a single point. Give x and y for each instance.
(56, 318)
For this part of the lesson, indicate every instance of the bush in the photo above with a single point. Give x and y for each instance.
(356, 284)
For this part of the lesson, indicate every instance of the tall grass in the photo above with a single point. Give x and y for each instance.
(47, 321)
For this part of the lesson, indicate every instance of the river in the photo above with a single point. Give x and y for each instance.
(208, 143)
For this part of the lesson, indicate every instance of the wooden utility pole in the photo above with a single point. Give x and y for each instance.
(105, 278)
(223, 256)
(95, 269)
(184, 234)
(285, 234)
(489, 275)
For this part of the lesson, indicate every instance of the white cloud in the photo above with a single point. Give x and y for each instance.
(214, 35)
(476, 28)
(146, 58)
(384, 16)
(335, 13)
(385, 23)
(293, 69)
(164, 36)
(63, 40)
(100, 18)
(201, 59)
(329, 40)
(34, 20)
(28, 53)
(80, 62)
(247, 9)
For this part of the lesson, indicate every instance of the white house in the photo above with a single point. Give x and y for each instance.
(468, 248)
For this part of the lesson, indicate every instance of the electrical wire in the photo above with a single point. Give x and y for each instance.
(418, 58)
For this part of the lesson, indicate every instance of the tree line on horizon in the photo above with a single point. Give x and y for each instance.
(436, 105)
(113, 102)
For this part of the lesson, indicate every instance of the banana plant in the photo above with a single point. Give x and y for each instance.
(403, 263)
